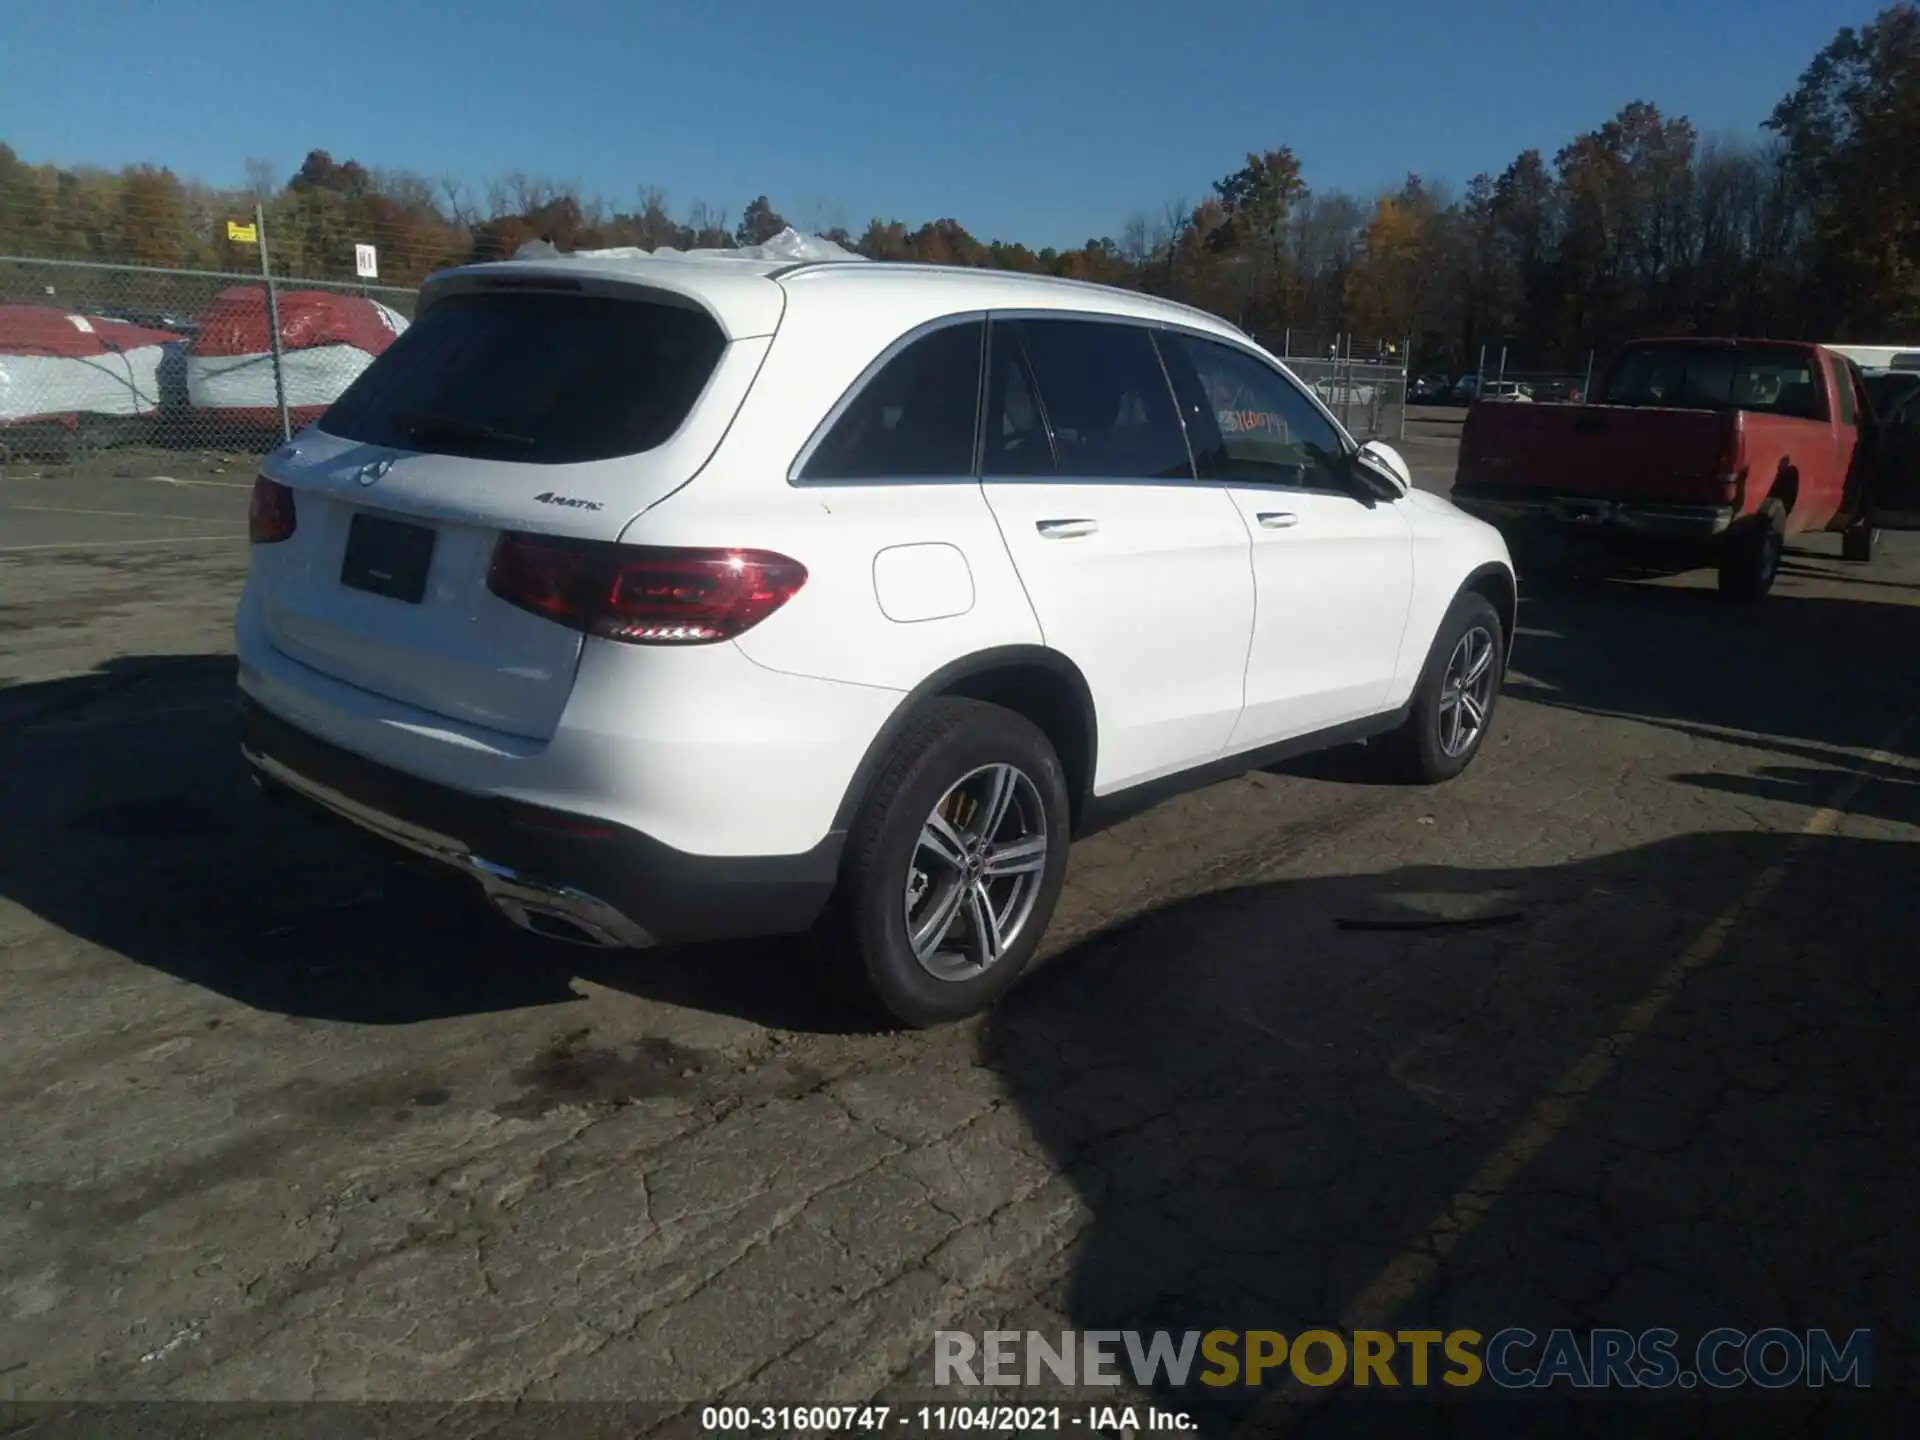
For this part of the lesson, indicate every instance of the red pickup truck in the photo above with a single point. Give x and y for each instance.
(1695, 452)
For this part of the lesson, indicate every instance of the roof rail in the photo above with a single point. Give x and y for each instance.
(893, 266)
(794, 265)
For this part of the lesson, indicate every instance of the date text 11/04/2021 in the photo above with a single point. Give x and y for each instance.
(939, 1419)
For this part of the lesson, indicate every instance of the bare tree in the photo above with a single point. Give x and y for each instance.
(709, 226)
(414, 193)
(1176, 218)
(458, 200)
(527, 193)
(817, 214)
(654, 225)
(262, 182)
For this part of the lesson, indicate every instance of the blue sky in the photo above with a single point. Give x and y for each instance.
(1038, 121)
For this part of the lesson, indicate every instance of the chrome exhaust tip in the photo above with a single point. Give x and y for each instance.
(550, 925)
(557, 912)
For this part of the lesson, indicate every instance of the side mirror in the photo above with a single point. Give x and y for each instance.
(1383, 457)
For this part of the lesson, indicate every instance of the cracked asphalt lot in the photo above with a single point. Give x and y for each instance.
(278, 1127)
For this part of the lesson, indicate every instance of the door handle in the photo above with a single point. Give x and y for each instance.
(1277, 519)
(1065, 529)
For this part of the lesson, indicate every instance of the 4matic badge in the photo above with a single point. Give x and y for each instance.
(547, 497)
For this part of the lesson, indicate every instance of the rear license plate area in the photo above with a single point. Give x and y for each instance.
(387, 557)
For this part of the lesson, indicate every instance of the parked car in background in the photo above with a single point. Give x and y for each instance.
(1889, 389)
(1464, 390)
(1712, 451)
(1505, 390)
(705, 598)
(1896, 483)
(1878, 359)
(1429, 390)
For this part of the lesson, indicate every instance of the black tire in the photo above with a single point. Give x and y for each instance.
(1858, 542)
(1750, 563)
(864, 939)
(1422, 751)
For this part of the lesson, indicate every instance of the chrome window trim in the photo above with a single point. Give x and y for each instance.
(888, 354)
(986, 318)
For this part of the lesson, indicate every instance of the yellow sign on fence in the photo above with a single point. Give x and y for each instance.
(242, 234)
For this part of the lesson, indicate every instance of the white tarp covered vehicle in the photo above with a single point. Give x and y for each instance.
(62, 368)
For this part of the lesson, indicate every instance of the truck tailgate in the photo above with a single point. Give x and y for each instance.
(1618, 452)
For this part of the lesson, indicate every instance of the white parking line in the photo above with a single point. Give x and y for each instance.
(210, 484)
(117, 544)
(117, 514)
(143, 479)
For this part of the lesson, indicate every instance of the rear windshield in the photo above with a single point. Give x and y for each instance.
(1770, 379)
(548, 379)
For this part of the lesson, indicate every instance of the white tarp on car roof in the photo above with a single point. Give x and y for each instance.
(789, 246)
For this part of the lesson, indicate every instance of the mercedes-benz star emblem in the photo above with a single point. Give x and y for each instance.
(369, 473)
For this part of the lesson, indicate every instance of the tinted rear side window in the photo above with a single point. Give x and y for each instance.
(1769, 379)
(1103, 394)
(916, 418)
(541, 378)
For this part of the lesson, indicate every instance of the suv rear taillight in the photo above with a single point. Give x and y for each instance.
(642, 595)
(270, 517)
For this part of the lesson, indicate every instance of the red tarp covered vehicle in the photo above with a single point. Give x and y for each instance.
(326, 337)
(60, 367)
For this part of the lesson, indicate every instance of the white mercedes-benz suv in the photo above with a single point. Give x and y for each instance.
(685, 599)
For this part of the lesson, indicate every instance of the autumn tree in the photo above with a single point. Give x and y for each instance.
(1632, 227)
(1256, 202)
(759, 223)
(1398, 252)
(1852, 134)
(151, 217)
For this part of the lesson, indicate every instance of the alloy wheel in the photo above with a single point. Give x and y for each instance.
(976, 872)
(1466, 692)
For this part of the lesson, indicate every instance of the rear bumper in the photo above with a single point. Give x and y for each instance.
(551, 871)
(1508, 506)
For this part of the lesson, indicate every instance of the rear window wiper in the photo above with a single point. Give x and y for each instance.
(418, 423)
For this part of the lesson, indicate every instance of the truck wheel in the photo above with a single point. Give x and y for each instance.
(1751, 561)
(1858, 542)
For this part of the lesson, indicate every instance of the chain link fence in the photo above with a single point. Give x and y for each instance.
(1363, 382)
(242, 350)
(99, 356)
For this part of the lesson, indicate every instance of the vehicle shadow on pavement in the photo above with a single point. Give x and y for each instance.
(1828, 672)
(132, 825)
(1265, 1101)
(1847, 574)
